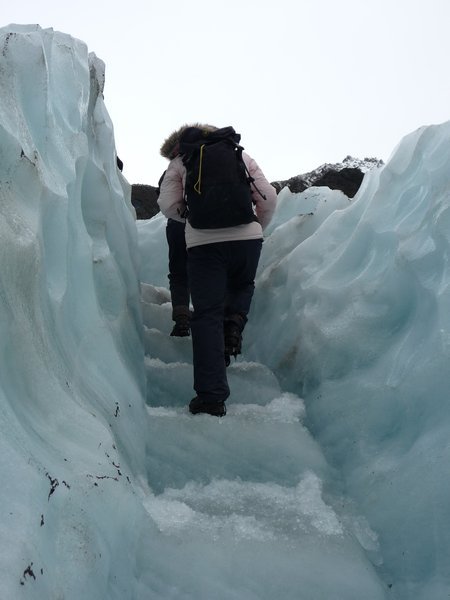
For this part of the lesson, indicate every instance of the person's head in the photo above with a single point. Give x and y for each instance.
(171, 146)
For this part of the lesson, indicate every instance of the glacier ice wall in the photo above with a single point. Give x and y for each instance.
(363, 306)
(72, 379)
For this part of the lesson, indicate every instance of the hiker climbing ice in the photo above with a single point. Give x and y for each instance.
(225, 201)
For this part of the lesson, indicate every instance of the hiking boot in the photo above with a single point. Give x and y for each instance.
(182, 317)
(216, 409)
(232, 331)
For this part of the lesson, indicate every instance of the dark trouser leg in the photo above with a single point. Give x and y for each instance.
(244, 258)
(207, 269)
(178, 277)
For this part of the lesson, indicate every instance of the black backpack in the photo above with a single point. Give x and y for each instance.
(217, 189)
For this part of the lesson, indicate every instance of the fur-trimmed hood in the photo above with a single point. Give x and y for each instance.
(170, 147)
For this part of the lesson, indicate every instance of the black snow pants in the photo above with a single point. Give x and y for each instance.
(222, 282)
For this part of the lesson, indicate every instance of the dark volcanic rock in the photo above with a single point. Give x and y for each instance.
(346, 176)
(348, 180)
(296, 184)
(143, 198)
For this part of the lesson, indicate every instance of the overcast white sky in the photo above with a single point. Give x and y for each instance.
(304, 81)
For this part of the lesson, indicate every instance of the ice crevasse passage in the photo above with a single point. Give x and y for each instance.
(326, 479)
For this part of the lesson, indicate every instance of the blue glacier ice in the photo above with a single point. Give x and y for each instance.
(326, 480)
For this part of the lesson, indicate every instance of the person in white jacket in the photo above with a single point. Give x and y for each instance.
(222, 265)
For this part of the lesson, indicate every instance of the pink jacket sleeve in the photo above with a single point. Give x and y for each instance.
(171, 201)
(265, 206)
